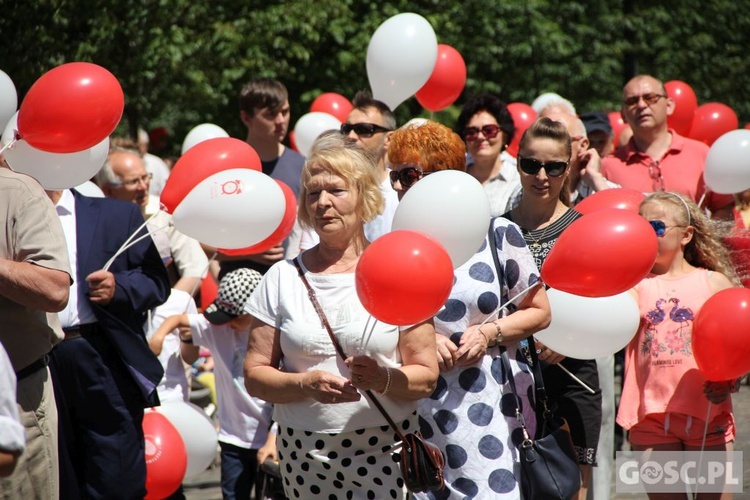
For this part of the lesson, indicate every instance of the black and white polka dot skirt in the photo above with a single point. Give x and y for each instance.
(361, 464)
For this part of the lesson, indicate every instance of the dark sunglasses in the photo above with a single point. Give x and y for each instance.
(407, 176)
(532, 167)
(660, 227)
(488, 131)
(363, 129)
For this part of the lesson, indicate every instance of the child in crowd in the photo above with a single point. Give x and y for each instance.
(243, 420)
(174, 385)
(665, 398)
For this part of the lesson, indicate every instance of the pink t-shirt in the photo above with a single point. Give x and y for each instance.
(681, 168)
(661, 375)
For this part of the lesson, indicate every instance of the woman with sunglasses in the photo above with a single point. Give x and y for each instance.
(487, 127)
(543, 214)
(665, 398)
(332, 440)
(471, 416)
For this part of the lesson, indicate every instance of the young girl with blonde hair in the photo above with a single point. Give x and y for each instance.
(665, 398)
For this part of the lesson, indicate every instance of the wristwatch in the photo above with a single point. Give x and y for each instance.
(499, 337)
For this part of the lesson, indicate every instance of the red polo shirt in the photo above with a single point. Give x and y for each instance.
(681, 169)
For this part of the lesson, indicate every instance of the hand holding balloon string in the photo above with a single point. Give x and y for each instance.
(510, 301)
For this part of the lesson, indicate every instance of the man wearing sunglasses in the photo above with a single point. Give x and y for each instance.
(657, 158)
(370, 124)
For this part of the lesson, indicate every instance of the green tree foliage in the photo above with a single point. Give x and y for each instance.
(181, 63)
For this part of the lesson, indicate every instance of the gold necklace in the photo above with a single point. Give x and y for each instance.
(536, 245)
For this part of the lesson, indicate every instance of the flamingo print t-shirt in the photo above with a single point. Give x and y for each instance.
(661, 375)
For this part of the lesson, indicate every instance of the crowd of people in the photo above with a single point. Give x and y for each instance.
(95, 334)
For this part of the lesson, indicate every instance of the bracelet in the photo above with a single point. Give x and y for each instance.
(387, 382)
(485, 338)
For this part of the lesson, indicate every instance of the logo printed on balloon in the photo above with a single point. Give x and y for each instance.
(153, 450)
(230, 188)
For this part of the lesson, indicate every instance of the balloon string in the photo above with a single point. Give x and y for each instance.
(198, 283)
(120, 250)
(703, 198)
(367, 335)
(129, 244)
(510, 301)
(583, 384)
(9, 145)
(703, 445)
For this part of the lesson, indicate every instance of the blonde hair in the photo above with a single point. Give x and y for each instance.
(705, 248)
(335, 154)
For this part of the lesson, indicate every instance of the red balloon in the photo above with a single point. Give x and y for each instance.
(203, 160)
(333, 104)
(603, 253)
(446, 82)
(523, 116)
(404, 277)
(623, 198)
(281, 232)
(711, 121)
(721, 345)
(71, 108)
(209, 291)
(618, 125)
(292, 141)
(166, 458)
(685, 104)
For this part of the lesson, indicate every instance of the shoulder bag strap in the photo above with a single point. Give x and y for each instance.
(541, 393)
(324, 320)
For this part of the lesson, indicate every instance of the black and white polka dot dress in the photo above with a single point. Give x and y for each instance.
(471, 414)
(360, 464)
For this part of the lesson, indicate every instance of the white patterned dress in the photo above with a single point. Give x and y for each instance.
(471, 414)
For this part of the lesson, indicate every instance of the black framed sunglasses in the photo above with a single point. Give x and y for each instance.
(363, 129)
(407, 176)
(488, 131)
(532, 167)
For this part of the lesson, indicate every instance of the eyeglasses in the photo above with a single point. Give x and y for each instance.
(649, 99)
(132, 183)
(660, 227)
(407, 176)
(532, 167)
(363, 129)
(657, 181)
(488, 131)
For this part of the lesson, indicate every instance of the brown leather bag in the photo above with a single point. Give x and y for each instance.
(421, 464)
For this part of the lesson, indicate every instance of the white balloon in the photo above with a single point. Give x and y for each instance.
(452, 207)
(90, 189)
(196, 430)
(590, 327)
(233, 208)
(200, 133)
(54, 171)
(310, 126)
(400, 58)
(8, 98)
(727, 167)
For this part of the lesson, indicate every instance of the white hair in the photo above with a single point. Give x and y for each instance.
(549, 99)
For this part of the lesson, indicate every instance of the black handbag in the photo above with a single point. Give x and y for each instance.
(549, 468)
(421, 462)
(549, 465)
